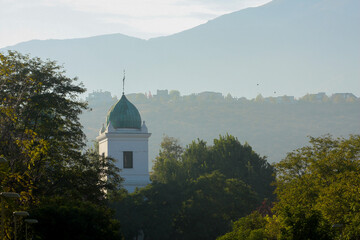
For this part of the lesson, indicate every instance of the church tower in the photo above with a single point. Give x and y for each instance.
(125, 139)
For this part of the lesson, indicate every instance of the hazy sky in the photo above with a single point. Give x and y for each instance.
(23, 20)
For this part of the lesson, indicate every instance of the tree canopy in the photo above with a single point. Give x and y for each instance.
(40, 128)
(196, 192)
(317, 189)
(227, 155)
(43, 141)
(323, 178)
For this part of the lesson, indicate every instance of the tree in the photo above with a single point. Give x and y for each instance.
(249, 227)
(167, 165)
(259, 98)
(151, 211)
(239, 161)
(301, 224)
(227, 155)
(213, 200)
(228, 97)
(174, 211)
(61, 218)
(42, 138)
(40, 129)
(194, 188)
(317, 188)
(321, 183)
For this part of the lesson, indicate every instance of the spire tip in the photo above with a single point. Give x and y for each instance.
(124, 83)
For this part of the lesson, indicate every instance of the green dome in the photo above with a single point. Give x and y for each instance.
(124, 115)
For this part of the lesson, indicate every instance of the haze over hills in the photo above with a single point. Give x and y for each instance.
(286, 46)
(272, 126)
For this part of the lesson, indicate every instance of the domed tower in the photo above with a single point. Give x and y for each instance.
(125, 139)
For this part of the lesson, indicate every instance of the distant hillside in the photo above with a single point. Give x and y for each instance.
(285, 46)
(272, 126)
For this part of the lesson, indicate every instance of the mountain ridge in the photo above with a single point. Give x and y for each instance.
(284, 46)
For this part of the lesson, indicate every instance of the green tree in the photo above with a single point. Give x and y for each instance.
(301, 224)
(197, 191)
(167, 165)
(229, 98)
(239, 161)
(321, 183)
(61, 218)
(259, 98)
(227, 155)
(150, 211)
(246, 228)
(42, 139)
(212, 203)
(40, 129)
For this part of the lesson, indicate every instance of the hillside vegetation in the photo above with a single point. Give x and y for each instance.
(272, 126)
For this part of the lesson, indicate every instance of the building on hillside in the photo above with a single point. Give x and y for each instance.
(280, 99)
(210, 96)
(99, 96)
(315, 97)
(125, 138)
(341, 97)
(285, 99)
(162, 93)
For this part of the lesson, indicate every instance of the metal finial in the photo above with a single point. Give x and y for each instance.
(124, 82)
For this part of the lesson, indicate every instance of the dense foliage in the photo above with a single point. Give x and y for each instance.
(227, 156)
(42, 139)
(318, 188)
(197, 191)
(61, 218)
(250, 227)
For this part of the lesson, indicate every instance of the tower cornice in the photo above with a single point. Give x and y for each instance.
(118, 135)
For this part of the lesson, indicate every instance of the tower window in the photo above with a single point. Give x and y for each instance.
(128, 159)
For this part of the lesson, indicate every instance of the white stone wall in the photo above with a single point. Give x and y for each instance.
(114, 142)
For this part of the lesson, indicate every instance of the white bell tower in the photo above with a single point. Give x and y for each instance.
(126, 140)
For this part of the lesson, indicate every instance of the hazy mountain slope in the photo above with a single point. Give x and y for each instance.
(287, 46)
(95, 60)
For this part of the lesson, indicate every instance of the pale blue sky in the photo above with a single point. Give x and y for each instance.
(23, 20)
